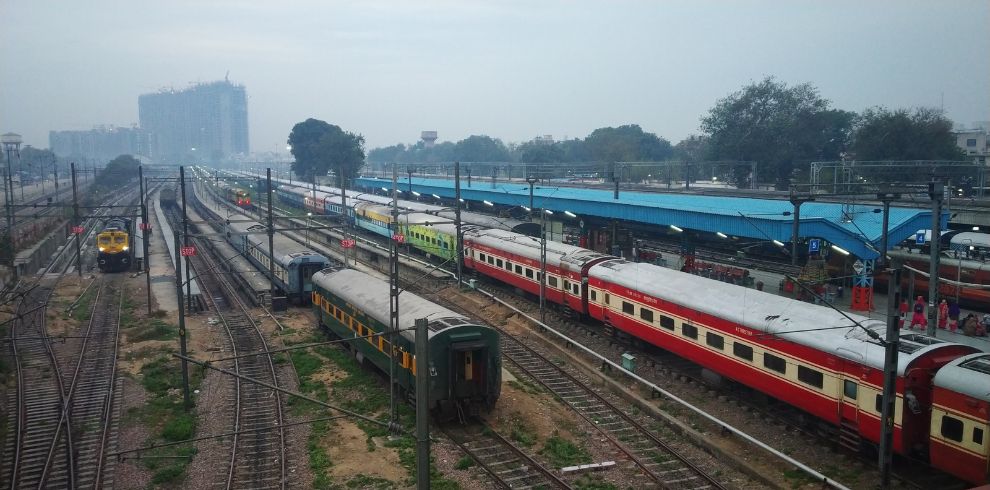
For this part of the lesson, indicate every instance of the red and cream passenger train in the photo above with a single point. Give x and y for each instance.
(807, 355)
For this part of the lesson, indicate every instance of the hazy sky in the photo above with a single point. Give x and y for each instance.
(512, 70)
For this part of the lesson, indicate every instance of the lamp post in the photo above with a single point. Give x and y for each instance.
(11, 143)
(309, 216)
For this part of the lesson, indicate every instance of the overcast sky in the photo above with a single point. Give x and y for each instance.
(512, 70)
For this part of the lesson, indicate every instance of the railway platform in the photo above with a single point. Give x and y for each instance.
(162, 267)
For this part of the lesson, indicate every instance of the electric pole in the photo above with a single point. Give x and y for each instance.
(936, 192)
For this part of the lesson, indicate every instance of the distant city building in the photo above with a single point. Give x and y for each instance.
(429, 138)
(206, 122)
(975, 143)
(100, 143)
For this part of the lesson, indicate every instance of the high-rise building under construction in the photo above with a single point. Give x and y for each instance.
(204, 123)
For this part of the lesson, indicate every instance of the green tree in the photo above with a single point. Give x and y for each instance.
(539, 152)
(319, 147)
(627, 143)
(924, 134)
(481, 148)
(120, 169)
(777, 126)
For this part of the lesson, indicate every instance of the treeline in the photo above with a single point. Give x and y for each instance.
(782, 128)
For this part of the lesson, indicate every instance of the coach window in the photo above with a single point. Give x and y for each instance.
(667, 322)
(508, 266)
(952, 428)
(552, 281)
(481, 257)
(811, 377)
(628, 308)
(850, 389)
(715, 340)
(529, 273)
(775, 363)
(978, 436)
(594, 295)
(742, 351)
(878, 404)
(646, 314)
(519, 270)
(498, 262)
(608, 299)
(689, 331)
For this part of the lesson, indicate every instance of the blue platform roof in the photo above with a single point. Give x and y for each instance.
(857, 229)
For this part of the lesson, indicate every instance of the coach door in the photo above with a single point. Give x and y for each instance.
(468, 368)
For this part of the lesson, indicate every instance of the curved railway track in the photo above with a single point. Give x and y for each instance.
(38, 404)
(257, 458)
(508, 465)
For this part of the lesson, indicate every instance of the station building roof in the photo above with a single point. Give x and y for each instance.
(855, 228)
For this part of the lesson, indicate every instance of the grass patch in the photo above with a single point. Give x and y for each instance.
(519, 432)
(154, 329)
(593, 482)
(81, 312)
(798, 478)
(165, 415)
(363, 392)
(464, 463)
(562, 452)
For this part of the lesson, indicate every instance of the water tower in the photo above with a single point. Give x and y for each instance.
(429, 138)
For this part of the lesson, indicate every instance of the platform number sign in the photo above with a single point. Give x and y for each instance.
(814, 246)
(919, 238)
(348, 243)
(144, 226)
(77, 230)
(187, 251)
(399, 238)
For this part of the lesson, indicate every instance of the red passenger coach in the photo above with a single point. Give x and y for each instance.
(315, 205)
(514, 259)
(809, 356)
(960, 431)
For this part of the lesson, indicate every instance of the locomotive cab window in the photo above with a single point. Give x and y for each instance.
(952, 428)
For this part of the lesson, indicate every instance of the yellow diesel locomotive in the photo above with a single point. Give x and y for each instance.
(115, 251)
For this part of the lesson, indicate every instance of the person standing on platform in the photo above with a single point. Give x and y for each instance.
(919, 314)
(943, 314)
(953, 316)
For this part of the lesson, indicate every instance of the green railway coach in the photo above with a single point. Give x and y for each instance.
(465, 358)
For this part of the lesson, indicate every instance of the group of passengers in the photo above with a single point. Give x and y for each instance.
(948, 318)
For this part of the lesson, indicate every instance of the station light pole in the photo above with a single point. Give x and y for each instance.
(936, 192)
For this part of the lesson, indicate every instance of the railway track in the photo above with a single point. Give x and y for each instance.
(508, 465)
(257, 458)
(34, 453)
(92, 388)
